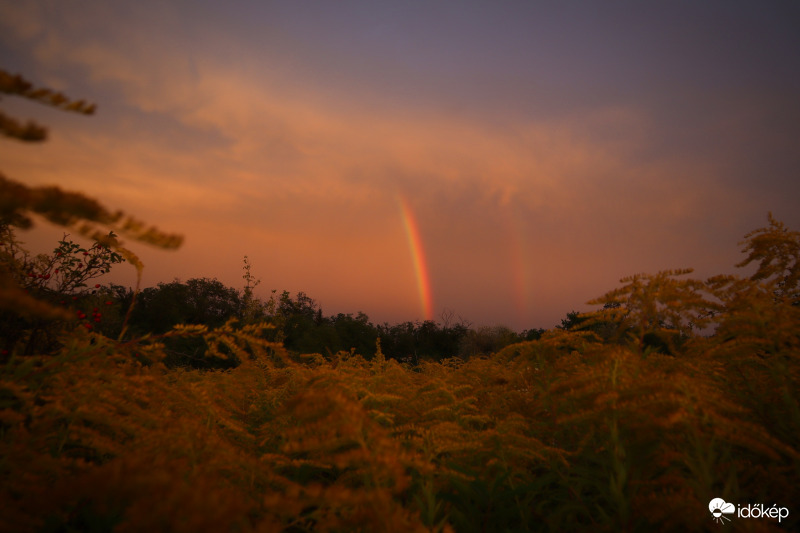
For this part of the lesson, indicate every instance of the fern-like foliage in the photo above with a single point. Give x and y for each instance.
(30, 131)
(777, 251)
(661, 306)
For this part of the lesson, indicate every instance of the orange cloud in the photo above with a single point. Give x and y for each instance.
(517, 216)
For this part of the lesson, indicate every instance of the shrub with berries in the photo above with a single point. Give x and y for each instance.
(71, 266)
(63, 280)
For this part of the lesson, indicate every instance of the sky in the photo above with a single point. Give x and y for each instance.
(501, 161)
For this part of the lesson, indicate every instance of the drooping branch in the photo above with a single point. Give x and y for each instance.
(73, 209)
(17, 85)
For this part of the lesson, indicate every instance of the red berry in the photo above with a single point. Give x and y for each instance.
(97, 319)
(47, 276)
(74, 298)
(97, 286)
(87, 326)
(56, 271)
(109, 302)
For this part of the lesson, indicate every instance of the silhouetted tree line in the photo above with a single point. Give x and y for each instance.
(298, 322)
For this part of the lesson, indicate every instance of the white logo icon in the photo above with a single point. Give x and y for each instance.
(719, 508)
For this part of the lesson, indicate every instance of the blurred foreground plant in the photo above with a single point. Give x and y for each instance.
(25, 283)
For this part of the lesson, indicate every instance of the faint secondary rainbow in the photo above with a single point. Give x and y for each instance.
(418, 257)
(519, 263)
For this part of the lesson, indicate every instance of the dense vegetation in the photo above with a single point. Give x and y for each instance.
(199, 408)
(299, 324)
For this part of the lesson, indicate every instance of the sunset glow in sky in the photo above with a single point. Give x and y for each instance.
(507, 161)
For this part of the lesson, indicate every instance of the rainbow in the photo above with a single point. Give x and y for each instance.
(418, 257)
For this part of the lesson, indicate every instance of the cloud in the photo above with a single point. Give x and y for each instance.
(24, 19)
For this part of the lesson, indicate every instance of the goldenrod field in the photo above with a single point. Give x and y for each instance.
(564, 433)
